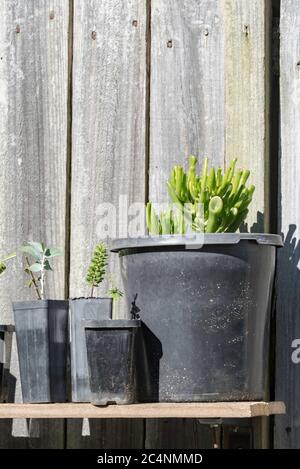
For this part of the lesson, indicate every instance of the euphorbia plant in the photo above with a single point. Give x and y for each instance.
(41, 255)
(213, 202)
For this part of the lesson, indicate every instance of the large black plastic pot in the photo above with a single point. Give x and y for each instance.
(6, 333)
(205, 311)
(82, 309)
(41, 332)
(111, 352)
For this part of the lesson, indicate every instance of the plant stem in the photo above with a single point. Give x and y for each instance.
(92, 291)
(43, 278)
(33, 280)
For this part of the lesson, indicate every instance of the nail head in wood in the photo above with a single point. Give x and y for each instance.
(18, 29)
(51, 15)
(170, 43)
(94, 35)
(135, 23)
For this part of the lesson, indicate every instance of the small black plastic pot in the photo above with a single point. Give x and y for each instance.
(111, 352)
(6, 334)
(42, 340)
(82, 309)
(205, 306)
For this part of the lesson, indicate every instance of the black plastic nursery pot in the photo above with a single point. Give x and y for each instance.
(41, 332)
(206, 312)
(6, 334)
(111, 352)
(82, 309)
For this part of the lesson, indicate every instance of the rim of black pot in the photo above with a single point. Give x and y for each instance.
(85, 298)
(198, 240)
(36, 304)
(7, 328)
(111, 323)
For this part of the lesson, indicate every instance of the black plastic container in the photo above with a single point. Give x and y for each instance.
(6, 334)
(111, 352)
(82, 309)
(205, 304)
(41, 332)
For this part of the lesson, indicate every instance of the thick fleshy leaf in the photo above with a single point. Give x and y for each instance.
(36, 267)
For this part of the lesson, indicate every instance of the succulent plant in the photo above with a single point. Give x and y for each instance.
(97, 268)
(213, 202)
(41, 255)
(3, 262)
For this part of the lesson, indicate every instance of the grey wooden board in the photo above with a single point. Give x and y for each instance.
(33, 110)
(108, 141)
(187, 87)
(247, 32)
(287, 428)
(186, 117)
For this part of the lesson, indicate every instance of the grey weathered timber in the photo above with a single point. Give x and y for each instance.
(247, 66)
(187, 87)
(287, 428)
(33, 124)
(108, 140)
(186, 117)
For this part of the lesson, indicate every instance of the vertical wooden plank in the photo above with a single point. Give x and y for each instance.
(108, 142)
(33, 109)
(187, 87)
(247, 75)
(287, 427)
(186, 117)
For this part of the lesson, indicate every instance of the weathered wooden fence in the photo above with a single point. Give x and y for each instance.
(99, 98)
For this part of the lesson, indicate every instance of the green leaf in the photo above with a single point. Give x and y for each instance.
(53, 252)
(36, 267)
(31, 251)
(47, 266)
(2, 268)
(37, 246)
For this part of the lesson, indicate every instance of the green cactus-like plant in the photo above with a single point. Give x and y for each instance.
(224, 198)
(3, 262)
(97, 268)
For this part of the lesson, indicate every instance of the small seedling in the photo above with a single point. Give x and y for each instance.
(3, 262)
(115, 294)
(41, 255)
(97, 268)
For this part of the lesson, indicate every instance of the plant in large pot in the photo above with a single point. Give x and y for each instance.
(203, 290)
(82, 309)
(6, 333)
(41, 331)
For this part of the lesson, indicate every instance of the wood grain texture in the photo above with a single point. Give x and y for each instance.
(187, 87)
(133, 411)
(108, 136)
(186, 117)
(108, 146)
(247, 67)
(287, 428)
(33, 109)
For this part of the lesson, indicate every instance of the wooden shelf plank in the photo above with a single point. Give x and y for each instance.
(153, 410)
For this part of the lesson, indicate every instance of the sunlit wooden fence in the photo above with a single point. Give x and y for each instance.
(99, 98)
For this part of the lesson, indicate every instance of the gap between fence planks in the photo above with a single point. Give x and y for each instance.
(153, 410)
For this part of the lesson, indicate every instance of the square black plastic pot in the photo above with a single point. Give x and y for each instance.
(82, 309)
(42, 340)
(6, 334)
(111, 352)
